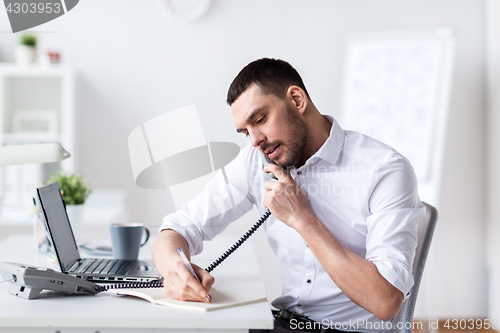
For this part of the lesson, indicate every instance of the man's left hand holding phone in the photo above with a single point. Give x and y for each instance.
(178, 282)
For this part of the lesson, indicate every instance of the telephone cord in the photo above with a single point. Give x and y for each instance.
(130, 285)
(239, 242)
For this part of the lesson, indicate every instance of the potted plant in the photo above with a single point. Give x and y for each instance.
(26, 50)
(74, 192)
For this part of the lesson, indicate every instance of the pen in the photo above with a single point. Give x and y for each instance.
(188, 265)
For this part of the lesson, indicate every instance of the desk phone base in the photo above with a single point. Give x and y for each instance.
(28, 281)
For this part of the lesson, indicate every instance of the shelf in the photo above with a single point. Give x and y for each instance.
(18, 138)
(11, 69)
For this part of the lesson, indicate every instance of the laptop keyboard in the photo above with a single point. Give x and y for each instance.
(103, 267)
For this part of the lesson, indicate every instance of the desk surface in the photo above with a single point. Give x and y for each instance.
(106, 313)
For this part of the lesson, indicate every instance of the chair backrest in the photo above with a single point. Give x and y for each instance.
(425, 232)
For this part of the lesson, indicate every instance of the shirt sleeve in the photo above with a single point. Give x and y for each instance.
(395, 209)
(224, 200)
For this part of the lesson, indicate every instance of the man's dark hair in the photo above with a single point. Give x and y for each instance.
(273, 76)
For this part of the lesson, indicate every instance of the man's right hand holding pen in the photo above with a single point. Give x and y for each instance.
(179, 282)
(191, 270)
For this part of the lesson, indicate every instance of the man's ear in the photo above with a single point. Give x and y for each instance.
(298, 98)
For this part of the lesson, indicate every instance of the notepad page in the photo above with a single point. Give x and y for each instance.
(221, 299)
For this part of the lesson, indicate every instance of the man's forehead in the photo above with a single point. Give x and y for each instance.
(246, 102)
(252, 98)
(252, 93)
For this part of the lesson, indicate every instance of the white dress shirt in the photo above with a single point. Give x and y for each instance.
(363, 191)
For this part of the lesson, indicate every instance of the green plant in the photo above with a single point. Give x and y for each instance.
(28, 40)
(74, 189)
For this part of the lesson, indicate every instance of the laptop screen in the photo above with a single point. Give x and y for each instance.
(58, 224)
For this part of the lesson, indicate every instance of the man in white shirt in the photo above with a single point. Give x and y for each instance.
(344, 214)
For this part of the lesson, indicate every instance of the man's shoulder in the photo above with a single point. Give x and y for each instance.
(365, 149)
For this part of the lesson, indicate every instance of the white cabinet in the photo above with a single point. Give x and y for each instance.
(36, 105)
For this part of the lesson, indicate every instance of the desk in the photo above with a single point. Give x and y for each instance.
(56, 313)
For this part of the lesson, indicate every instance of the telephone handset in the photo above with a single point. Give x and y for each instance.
(28, 281)
(267, 160)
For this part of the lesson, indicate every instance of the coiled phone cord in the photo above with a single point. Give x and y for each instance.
(239, 242)
(129, 285)
(217, 262)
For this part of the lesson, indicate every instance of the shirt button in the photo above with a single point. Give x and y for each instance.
(309, 281)
(299, 173)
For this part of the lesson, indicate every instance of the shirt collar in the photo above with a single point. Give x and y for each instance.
(330, 150)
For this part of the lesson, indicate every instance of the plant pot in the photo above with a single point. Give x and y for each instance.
(25, 55)
(75, 216)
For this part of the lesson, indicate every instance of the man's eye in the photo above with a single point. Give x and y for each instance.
(247, 134)
(260, 120)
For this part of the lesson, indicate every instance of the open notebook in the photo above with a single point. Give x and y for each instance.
(221, 299)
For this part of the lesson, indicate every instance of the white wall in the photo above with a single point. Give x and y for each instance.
(493, 155)
(134, 62)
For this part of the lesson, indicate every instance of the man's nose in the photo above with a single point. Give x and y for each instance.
(257, 138)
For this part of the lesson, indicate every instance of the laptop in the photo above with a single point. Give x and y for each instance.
(68, 255)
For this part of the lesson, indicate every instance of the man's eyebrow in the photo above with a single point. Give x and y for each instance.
(250, 117)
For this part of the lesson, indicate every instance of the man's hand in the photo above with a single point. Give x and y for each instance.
(178, 282)
(284, 198)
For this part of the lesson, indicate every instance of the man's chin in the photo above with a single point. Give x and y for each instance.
(277, 162)
(288, 164)
(283, 163)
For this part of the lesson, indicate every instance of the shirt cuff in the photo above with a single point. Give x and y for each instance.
(189, 231)
(399, 277)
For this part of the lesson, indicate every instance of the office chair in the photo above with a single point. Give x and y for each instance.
(425, 232)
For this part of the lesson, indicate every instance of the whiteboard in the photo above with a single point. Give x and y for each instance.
(396, 89)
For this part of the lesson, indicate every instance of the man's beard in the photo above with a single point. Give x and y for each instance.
(296, 135)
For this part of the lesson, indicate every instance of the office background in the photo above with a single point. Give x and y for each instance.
(134, 61)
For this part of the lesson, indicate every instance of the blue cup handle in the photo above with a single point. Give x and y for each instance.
(147, 236)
